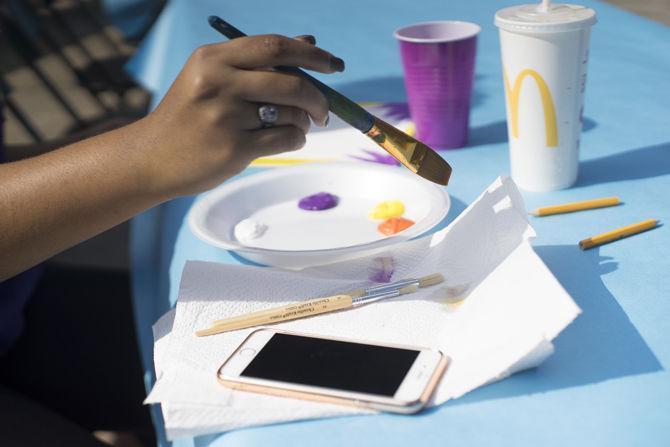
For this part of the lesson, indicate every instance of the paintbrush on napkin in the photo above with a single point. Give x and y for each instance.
(316, 306)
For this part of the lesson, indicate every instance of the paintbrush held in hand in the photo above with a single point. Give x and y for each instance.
(413, 154)
(321, 305)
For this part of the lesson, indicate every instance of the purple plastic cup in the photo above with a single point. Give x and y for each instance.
(439, 63)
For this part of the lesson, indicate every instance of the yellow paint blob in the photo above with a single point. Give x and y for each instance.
(411, 130)
(388, 209)
(452, 297)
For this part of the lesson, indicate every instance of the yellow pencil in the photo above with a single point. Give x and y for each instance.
(617, 234)
(576, 206)
(269, 161)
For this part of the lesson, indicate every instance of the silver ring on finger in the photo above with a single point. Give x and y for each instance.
(268, 114)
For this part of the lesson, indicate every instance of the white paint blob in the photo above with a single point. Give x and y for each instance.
(248, 229)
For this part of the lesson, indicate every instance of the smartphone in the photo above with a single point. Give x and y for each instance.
(392, 378)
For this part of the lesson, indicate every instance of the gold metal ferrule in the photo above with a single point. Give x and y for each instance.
(397, 143)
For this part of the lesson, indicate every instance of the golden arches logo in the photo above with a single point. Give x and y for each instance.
(513, 94)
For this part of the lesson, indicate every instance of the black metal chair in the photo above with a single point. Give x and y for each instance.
(31, 31)
(48, 26)
(28, 53)
(15, 110)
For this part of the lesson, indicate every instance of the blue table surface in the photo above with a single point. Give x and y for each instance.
(606, 384)
(131, 17)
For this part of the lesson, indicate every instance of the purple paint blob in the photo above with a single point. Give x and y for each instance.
(382, 269)
(318, 202)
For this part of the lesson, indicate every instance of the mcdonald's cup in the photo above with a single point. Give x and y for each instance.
(544, 56)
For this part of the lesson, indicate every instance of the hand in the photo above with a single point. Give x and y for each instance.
(206, 129)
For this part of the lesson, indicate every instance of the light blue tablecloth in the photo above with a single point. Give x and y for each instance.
(132, 17)
(607, 383)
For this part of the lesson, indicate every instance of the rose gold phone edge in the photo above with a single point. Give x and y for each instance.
(413, 407)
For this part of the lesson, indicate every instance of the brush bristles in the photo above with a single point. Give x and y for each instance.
(413, 154)
(408, 289)
(433, 167)
(431, 280)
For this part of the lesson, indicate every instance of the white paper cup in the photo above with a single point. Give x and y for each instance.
(544, 57)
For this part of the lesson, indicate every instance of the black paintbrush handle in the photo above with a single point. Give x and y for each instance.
(339, 104)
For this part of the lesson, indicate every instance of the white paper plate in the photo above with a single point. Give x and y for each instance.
(297, 238)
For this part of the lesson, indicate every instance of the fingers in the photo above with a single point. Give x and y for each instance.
(273, 140)
(270, 50)
(287, 116)
(267, 87)
(307, 38)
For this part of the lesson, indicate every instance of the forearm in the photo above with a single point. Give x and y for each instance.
(16, 152)
(205, 130)
(51, 202)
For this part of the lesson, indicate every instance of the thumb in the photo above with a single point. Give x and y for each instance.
(307, 38)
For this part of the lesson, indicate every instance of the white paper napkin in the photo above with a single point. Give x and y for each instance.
(514, 307)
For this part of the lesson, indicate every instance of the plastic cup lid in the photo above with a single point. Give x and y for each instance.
(557, 18)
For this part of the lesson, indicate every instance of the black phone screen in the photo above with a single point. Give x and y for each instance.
(332, 364)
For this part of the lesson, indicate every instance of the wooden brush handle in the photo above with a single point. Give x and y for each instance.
(286, 308)
(292, 311)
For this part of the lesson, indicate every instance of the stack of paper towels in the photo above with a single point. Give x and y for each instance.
(513, 307)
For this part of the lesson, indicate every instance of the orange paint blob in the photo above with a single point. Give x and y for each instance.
(394, 225)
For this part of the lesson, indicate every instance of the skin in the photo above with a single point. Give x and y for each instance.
(205, 130)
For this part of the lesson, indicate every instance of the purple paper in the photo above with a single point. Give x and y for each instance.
(377, 158)
(318, 202)
(395, 110)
